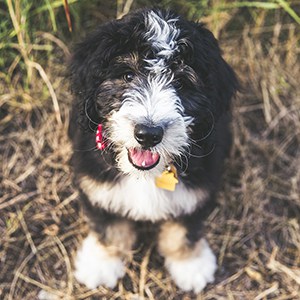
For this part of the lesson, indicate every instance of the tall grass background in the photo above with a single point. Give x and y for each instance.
(30, 29)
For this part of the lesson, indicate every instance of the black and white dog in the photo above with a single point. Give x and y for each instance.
(150, 132)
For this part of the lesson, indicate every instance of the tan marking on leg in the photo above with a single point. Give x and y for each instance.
(172, 241)
(120, 238)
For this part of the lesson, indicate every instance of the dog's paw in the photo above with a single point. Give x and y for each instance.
(95, 266)
(194, 273)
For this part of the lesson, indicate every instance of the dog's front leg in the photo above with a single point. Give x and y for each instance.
(101, 258)
(191, 263)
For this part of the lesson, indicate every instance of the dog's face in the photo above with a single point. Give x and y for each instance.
(157, 84)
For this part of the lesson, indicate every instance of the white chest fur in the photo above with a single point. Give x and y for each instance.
(140, 199)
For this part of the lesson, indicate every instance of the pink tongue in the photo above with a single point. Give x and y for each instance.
(143, 158)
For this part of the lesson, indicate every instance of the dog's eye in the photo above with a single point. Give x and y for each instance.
(128, 77)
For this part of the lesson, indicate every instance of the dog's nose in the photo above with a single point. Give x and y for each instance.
(148, 136)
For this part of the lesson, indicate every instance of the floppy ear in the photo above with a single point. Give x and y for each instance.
(91, 56)
(87, 69)
(220, 81)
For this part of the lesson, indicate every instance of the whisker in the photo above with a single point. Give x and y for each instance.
(204, 155)
(85, 150)
(193, 143)
(87, 115)
(183, 165)
(211, 129)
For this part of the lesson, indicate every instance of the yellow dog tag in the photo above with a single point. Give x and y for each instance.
(168, 179)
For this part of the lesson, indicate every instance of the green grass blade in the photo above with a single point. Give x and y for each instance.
(52, 15)
(285, 5)
(250, 4)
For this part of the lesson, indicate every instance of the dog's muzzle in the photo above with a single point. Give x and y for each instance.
(143, 158)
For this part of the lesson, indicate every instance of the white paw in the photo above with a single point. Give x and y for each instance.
(94, 266)
(194, 273)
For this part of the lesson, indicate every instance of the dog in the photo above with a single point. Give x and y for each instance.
(150, 128)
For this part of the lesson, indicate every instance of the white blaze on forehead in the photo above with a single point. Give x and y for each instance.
(163, 35)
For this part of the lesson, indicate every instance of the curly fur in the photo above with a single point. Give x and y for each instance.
(157, 69)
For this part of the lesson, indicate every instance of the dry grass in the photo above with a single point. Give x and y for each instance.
(255, 230)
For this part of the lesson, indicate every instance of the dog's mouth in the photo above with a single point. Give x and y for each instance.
(143, 159)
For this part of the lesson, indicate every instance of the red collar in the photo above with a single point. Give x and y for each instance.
(101, 143)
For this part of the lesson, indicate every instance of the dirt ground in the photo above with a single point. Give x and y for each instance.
(255, 230)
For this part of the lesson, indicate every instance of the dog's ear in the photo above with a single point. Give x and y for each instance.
(220, 81)
(90, 58)
(87, 69)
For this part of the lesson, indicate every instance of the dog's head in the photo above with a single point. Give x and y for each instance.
(157, 84)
